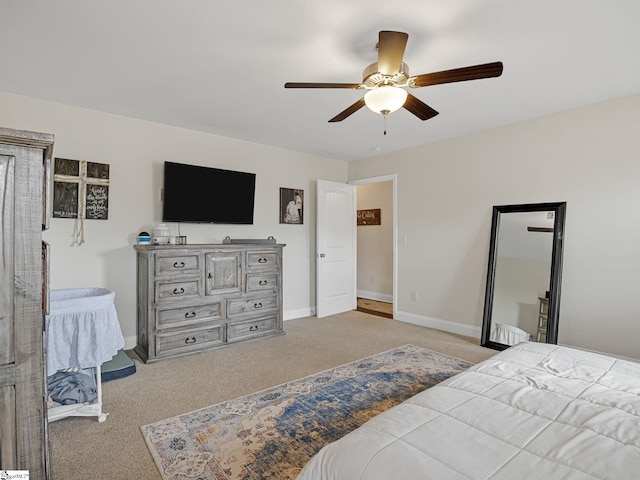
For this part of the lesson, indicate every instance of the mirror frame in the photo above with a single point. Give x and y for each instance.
(559, 209)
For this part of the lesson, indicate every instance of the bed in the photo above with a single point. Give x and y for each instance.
(534, 411)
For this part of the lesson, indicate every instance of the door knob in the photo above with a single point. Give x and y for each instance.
(322, 255)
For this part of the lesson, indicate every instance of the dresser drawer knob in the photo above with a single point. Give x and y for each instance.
(190, 315)
(178, 291)
(257, 305)
(178, 265)
(263, 282)
(189, 340)
(262, 260)
(253, 328)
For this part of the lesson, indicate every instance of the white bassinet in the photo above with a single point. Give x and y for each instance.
(82, 332)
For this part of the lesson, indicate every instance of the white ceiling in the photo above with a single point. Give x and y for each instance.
(220, 67)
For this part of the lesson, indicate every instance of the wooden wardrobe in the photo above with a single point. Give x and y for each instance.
(24, 175)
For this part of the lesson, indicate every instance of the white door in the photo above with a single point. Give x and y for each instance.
(335, 248)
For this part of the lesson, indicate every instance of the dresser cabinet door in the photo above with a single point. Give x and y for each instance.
(223, 272)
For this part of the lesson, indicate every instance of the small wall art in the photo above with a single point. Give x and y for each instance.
(291, 205)
(80, 189)
(369, 217)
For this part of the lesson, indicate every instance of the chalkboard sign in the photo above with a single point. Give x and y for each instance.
(65, 199)
(80, 189)
(97, 202)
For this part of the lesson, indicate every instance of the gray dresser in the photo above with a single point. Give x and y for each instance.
(193, 298)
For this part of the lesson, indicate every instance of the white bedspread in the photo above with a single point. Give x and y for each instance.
(534, 411)
(82, 329)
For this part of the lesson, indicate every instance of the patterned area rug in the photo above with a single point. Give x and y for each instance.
(272, 434)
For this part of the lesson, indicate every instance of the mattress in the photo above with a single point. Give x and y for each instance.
(534, 411)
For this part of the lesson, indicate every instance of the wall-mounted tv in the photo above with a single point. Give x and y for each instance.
(199, 194)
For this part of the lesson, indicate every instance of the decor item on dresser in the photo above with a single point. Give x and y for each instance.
(199, 297)
(534, 411)
(273, 433)
(24, 172)
(291, 205)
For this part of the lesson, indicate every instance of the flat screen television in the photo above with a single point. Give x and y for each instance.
(199, 194)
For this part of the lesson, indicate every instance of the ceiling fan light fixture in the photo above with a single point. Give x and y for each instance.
(385, 99)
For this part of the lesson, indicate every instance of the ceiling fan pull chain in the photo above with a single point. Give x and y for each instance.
(384, 116)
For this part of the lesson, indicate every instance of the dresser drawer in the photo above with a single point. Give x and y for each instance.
(262, 260)
(173, 263)
(240, 330)
(241, 306)
(177, 289)
(189, 339)
(261, 281)
(176, 316)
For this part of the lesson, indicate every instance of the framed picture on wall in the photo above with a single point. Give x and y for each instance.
(291, 205)
(369, 217)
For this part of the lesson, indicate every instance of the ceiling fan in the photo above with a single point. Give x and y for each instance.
(385, 79)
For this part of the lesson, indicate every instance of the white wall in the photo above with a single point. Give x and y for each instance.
(587, 157)
(518, 284)
(375, 243)
(135, 151)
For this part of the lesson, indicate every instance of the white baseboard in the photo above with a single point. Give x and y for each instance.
(444, 325)
(381, 297)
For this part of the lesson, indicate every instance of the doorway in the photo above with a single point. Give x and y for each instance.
(376, 245)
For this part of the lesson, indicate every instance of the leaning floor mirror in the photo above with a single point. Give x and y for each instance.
(522, 297)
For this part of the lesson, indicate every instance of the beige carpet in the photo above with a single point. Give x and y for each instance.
(82, 448)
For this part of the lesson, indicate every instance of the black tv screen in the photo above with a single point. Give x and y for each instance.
(207, 195)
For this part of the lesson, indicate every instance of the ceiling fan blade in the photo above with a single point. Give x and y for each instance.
(391, 47)
(475, 72)
(419, 108)
(321, 85)
(348, 111)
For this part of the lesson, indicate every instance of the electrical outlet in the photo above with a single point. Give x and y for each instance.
(414, 295)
